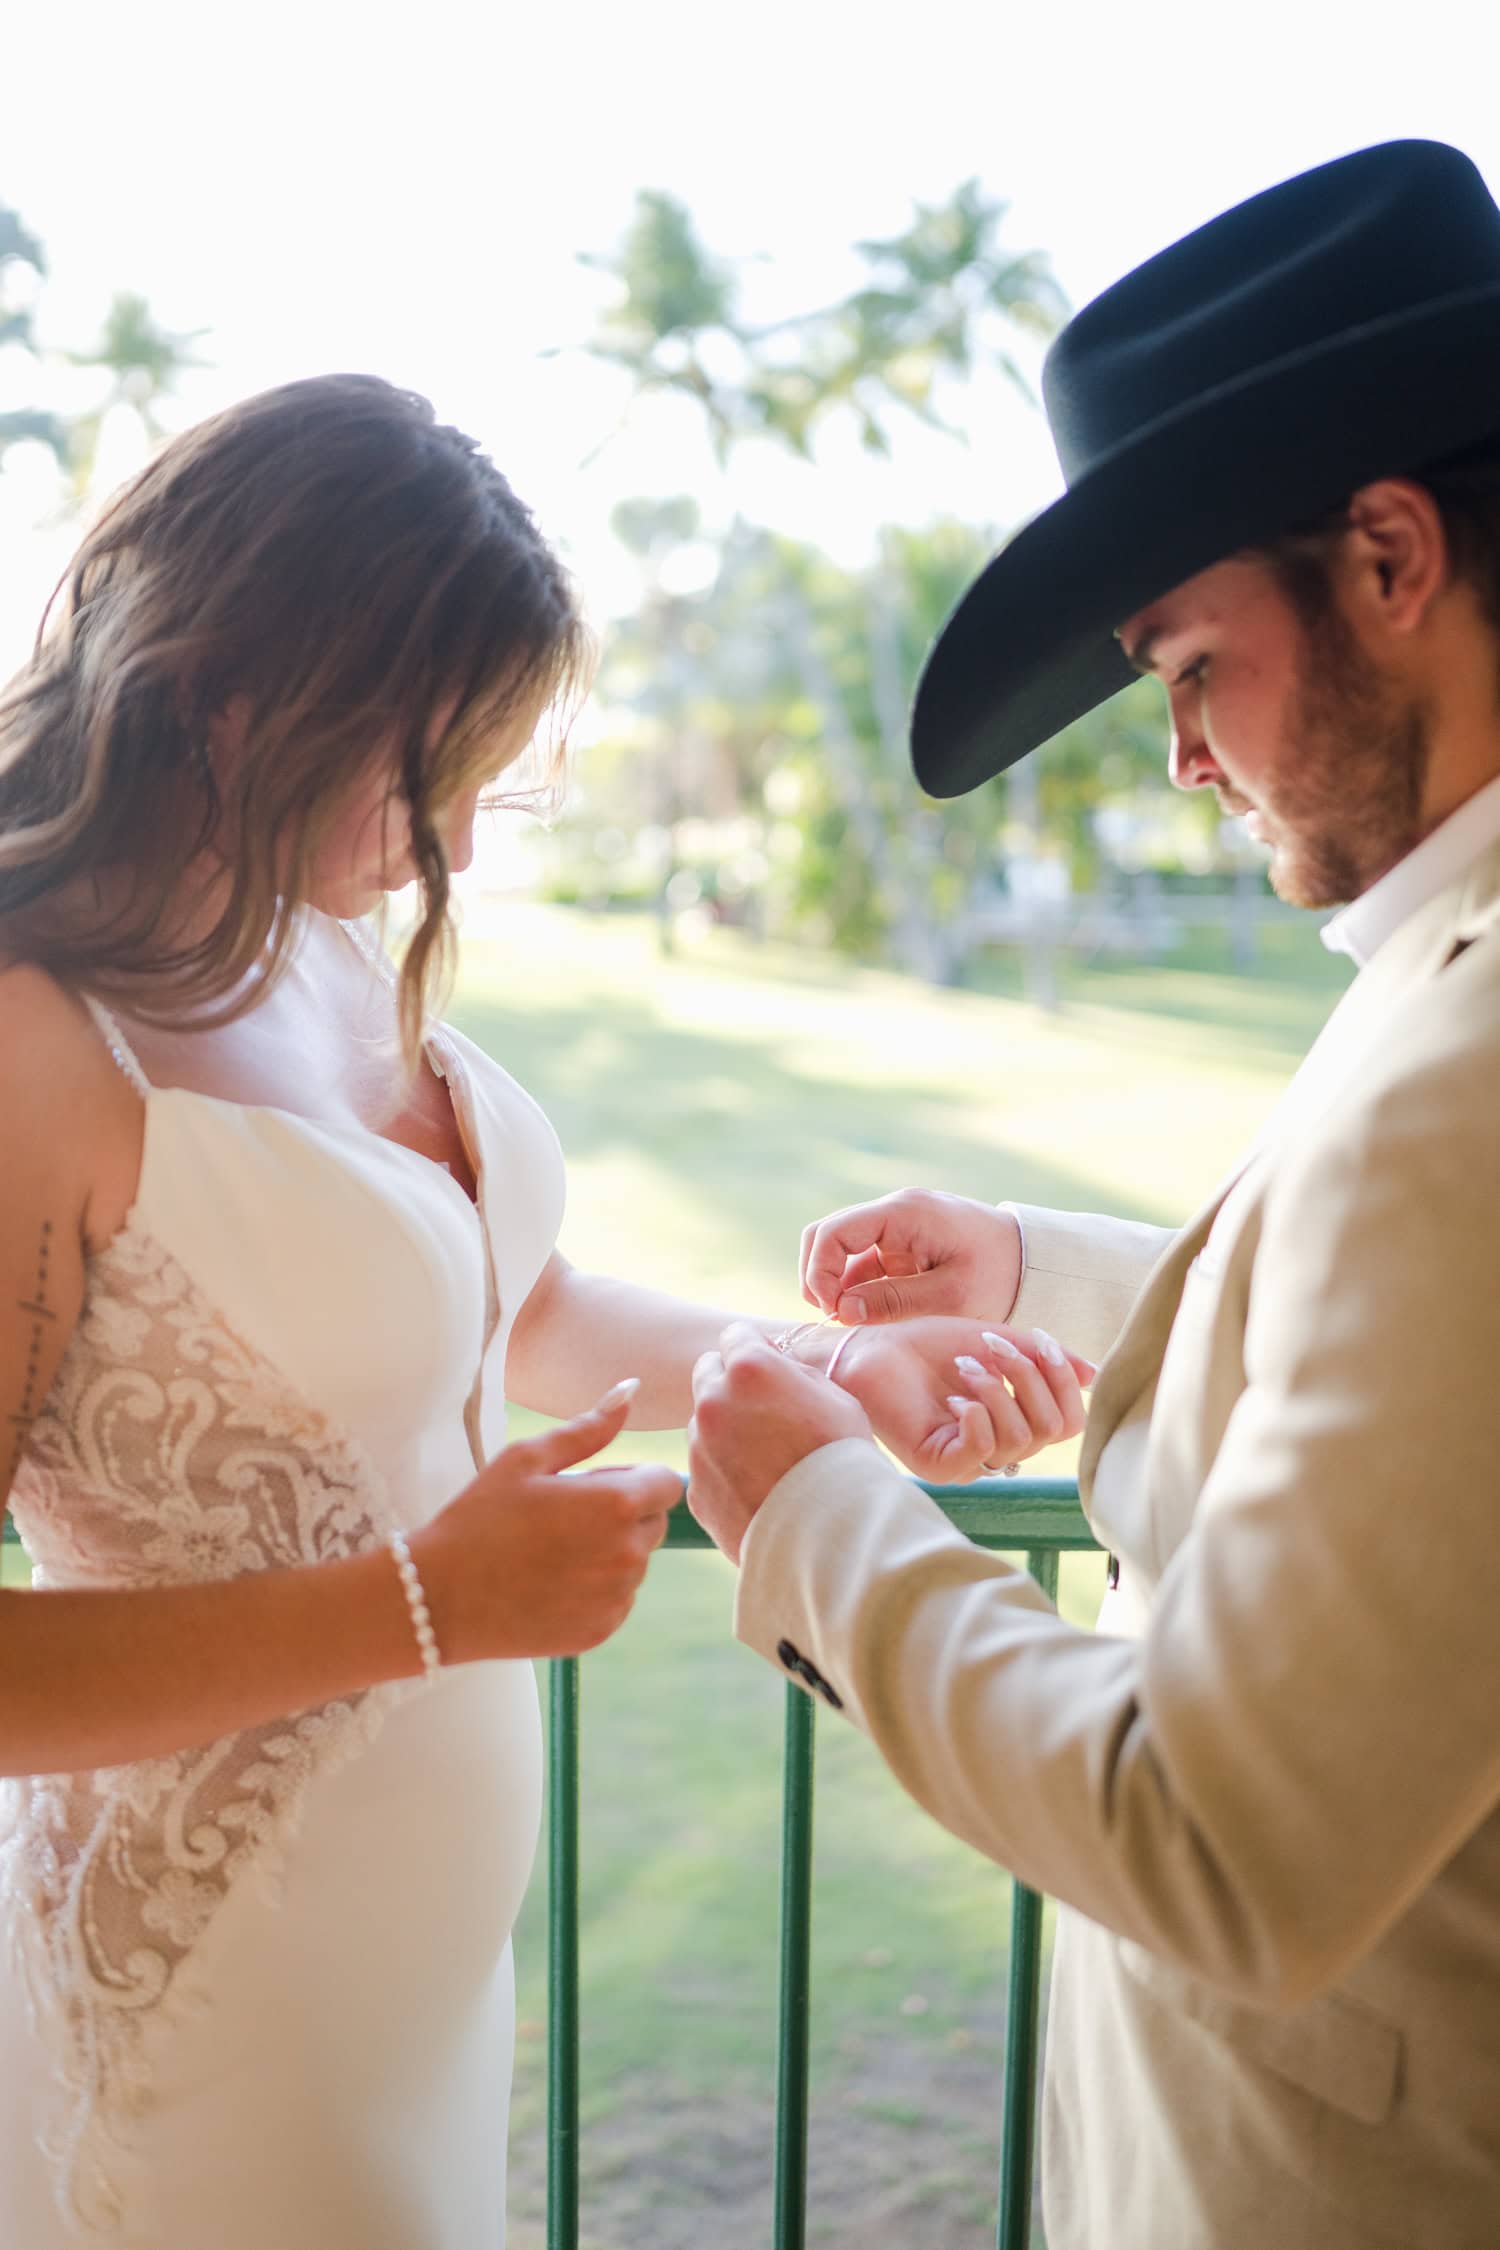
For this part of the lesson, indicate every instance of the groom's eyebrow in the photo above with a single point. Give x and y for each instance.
(1142, 656)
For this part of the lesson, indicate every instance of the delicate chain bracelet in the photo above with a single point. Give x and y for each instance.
(798, 1329)
(839, 1350)
(789, 1336)
(416, 1602)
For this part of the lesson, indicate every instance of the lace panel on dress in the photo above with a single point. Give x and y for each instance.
(167, 1453)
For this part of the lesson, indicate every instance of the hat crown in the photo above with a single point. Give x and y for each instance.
(1368, 238)
(1342, 327)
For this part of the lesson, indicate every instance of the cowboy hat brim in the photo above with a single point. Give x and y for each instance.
(1031, 646)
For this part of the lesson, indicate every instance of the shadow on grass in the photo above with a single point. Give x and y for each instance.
(747, 1137)
(1273, 1012)
(720, 1137)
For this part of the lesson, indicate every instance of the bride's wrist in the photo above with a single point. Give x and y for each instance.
(837, 1369)
(415, 1591)
(442, 1578)
(822, 1345)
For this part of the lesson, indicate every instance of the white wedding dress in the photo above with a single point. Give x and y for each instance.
(258, 1996)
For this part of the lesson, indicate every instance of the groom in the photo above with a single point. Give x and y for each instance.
(1267, 1790)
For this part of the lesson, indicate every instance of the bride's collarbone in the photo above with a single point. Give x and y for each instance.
(339, 1087)
(324, 1045)
(278, 1065)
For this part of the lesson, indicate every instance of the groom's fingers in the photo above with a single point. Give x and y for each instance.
(891, 1298)
(742, 1336)
(864, 1265)
(862, 1229)
(747, 1351)
(708, 1369)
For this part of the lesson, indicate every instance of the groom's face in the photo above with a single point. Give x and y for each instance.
(1292, 724)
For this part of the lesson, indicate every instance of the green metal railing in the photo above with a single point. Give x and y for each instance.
(1035, 1516)
(1038, 1517)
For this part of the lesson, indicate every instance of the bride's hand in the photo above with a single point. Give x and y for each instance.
(954, 1398)
(528, 1561)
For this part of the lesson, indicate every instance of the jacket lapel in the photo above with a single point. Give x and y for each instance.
(1432, 937)
(1141, 1344)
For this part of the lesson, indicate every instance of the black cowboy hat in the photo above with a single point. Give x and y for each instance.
(1341, 327)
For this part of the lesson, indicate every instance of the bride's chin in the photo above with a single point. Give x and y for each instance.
(355, 896)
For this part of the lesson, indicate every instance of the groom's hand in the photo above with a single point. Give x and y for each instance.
(917, 1251)
(756, 1414)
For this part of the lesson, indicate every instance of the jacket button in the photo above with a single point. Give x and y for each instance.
(829, 1694)
(790, 1657)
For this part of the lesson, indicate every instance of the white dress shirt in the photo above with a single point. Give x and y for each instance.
(1361, 929)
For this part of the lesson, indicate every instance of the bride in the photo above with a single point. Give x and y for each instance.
(275, 1245)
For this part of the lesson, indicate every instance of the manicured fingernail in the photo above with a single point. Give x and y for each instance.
(957, 1405)
(852, 1309)
(1049, 1347)
(1002, 1345)
(618, 1395)
(970, 1369)
(1087, 1371)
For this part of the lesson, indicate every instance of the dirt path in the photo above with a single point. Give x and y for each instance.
(902, 2157)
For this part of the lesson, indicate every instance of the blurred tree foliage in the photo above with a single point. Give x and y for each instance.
(22, 266)
(933, 297)
(769, 709)
(140, 361)
(754, 755)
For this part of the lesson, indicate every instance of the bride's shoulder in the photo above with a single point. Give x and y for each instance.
(68, 1113)
(44, 1028)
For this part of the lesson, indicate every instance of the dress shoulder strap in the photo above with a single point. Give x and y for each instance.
(365, 943)
(117, 1043)
(362, 938)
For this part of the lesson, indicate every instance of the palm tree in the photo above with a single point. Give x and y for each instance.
(20, 250)
(939, 299)
(143, 362)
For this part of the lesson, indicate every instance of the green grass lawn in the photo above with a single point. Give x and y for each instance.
(710, 1105)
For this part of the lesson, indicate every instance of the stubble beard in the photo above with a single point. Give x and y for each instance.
(1349, 805)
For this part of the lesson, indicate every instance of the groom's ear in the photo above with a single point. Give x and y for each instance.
(1393, 563)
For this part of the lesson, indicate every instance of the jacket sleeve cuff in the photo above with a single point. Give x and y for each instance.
(1081, 1273)
(824, 1508)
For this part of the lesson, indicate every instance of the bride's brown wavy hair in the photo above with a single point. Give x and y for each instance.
(342, 568)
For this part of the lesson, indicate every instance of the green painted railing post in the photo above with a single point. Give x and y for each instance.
(796, 1972)
(1022, 2013)
(993, 1514)
(562, 1962)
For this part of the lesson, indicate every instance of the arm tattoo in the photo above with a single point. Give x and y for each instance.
(35, 1313)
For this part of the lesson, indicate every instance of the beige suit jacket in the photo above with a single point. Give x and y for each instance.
(1266, 1789)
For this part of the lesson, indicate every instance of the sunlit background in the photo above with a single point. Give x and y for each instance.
(415, 192)
(749, 974)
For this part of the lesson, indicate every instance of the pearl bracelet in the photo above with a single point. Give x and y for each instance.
(416, 1602)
